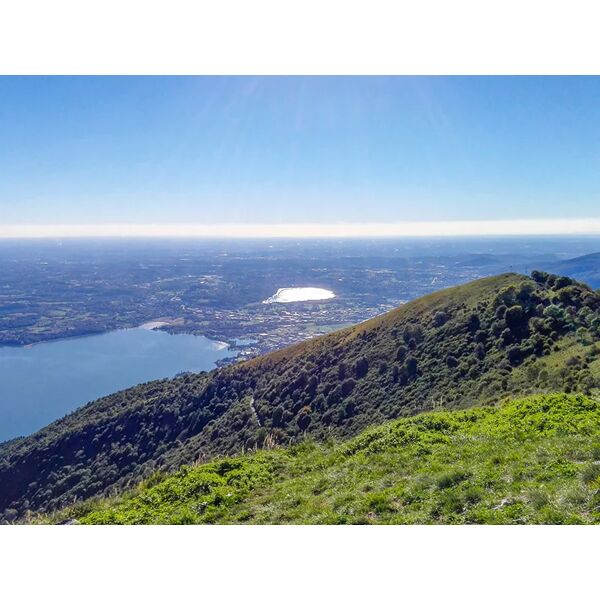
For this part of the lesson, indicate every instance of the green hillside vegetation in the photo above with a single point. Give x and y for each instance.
(535, 460)
(494, 338)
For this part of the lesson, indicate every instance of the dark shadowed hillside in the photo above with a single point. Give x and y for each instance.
(454, 348)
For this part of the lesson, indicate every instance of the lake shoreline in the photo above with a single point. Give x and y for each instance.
(53, 379)
(147, 326)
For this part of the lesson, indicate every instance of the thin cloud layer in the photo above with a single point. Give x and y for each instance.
(309, 230)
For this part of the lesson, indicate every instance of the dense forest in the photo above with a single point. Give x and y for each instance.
(473, 344)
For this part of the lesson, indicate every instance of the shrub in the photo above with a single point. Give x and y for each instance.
(451, 361)
(401, 353)
(277, 415)
(348, 386)
(361, 367)
(411, 366)
(480, 337)
(539, 276)
(506, 337)
(304, 418)
(480, 351)
(473, 322)
(561, 282)
(439, 318)
(514, 316)
(514, 354)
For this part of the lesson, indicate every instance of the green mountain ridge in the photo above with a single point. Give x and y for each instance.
(493, 338)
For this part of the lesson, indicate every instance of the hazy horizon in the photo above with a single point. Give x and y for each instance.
(414, 229)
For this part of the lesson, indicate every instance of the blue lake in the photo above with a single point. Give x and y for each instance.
(44, 382)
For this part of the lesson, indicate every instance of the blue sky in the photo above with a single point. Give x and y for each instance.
(297, 150)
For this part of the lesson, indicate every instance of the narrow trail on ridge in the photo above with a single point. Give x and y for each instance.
(254, 411)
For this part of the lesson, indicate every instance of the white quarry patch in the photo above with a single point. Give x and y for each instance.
(299, 294)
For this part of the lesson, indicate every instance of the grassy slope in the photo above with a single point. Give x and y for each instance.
(564, 351)
(535, 460)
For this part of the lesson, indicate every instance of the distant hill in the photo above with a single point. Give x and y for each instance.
(584, 268)
(472, 344)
